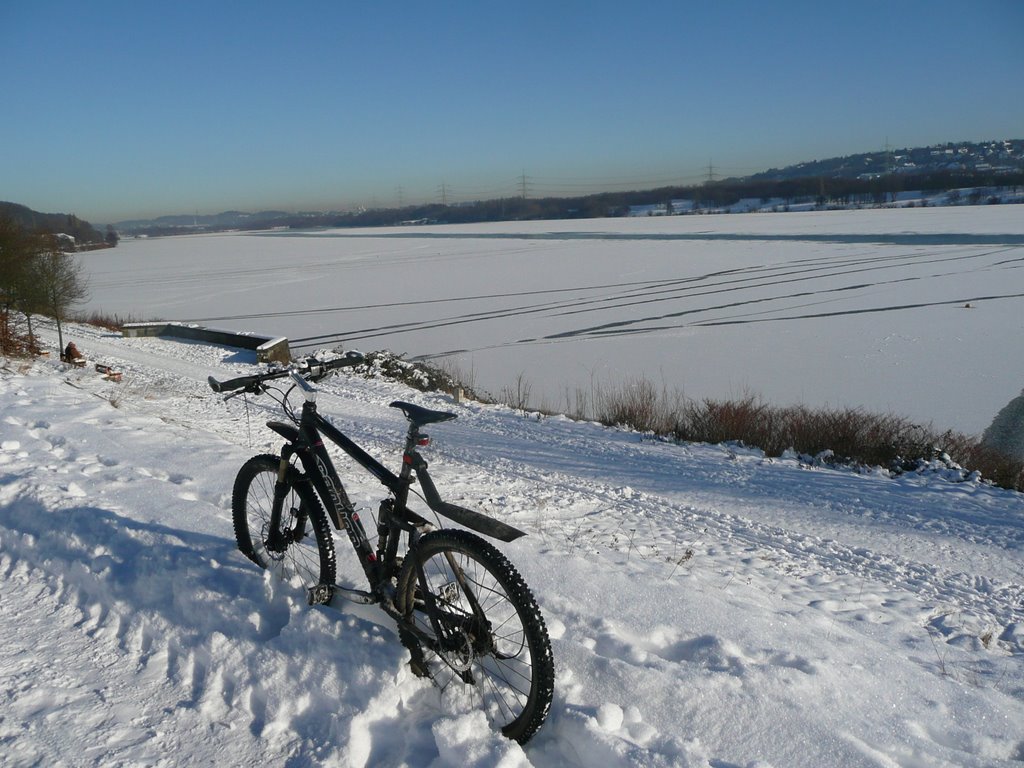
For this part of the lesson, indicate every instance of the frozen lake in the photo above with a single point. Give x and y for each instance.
(913, 311)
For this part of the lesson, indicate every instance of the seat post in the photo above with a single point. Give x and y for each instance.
(412, 436)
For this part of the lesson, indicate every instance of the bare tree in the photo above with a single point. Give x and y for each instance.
(36, 278)
(59, 283)
(14, 250)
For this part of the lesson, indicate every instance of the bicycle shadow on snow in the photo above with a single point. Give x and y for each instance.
(147, 566)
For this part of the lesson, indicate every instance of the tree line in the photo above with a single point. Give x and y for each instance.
(715, 194)
(37, 277)
(85, 234)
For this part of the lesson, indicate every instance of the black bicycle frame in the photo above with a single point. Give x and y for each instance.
(306, 442)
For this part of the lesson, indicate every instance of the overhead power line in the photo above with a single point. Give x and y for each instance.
(525, 186)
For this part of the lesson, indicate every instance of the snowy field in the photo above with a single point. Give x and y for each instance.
(849, 308)
(708, 608)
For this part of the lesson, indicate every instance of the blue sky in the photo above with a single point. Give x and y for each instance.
(114, 110)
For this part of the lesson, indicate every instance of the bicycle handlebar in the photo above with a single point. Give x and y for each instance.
(310, 368)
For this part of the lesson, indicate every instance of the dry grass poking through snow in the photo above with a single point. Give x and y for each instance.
(842, 435)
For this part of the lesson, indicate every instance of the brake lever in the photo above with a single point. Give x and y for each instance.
(254, 389)
(319, 375)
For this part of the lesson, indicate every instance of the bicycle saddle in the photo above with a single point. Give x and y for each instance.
(420, 416)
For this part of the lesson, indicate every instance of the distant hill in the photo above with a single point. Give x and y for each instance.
(52, 223)
(225, 220)
(987, 157)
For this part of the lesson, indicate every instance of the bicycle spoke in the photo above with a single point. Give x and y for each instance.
(501, 701)
(482, 639)
(301, 548)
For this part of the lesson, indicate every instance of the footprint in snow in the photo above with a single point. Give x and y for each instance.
(721, 655)
(166, 477)
(613, 735)
(38, 428)
(713, 653)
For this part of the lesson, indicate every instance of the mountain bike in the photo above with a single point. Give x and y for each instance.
(463, 611)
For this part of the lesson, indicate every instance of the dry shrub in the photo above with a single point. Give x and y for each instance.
(518, 397)
(638, 404)
(111, 322)
(1005, 471)
(719, 421)
(854, 435)
(17, 338)
(851, 435)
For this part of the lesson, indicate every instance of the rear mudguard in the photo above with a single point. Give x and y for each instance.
(473, 520)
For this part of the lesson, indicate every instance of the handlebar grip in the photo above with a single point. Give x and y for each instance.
(231, 384)
(315, 369)
(351, 358)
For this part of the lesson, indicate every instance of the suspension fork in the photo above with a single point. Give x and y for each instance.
(277, 541)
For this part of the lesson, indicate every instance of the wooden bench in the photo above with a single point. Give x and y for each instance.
(108, 373)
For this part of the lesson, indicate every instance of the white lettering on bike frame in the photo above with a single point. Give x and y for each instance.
(352, 525)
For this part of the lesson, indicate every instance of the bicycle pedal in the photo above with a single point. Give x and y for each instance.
(321, 594)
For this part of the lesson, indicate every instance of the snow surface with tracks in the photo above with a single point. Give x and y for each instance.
(708, 607)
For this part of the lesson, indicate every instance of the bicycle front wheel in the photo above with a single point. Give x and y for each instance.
(488, 642)
(301, 546)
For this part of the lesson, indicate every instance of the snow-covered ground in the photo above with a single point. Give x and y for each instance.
(708, 607)
(861, 309)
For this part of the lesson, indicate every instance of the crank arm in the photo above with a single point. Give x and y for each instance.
(335, 595)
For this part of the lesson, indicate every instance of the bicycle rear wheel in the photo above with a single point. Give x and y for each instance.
(488, 638)
(303, 547)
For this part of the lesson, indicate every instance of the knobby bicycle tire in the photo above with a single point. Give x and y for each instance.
(489, 632)
(309, 549)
